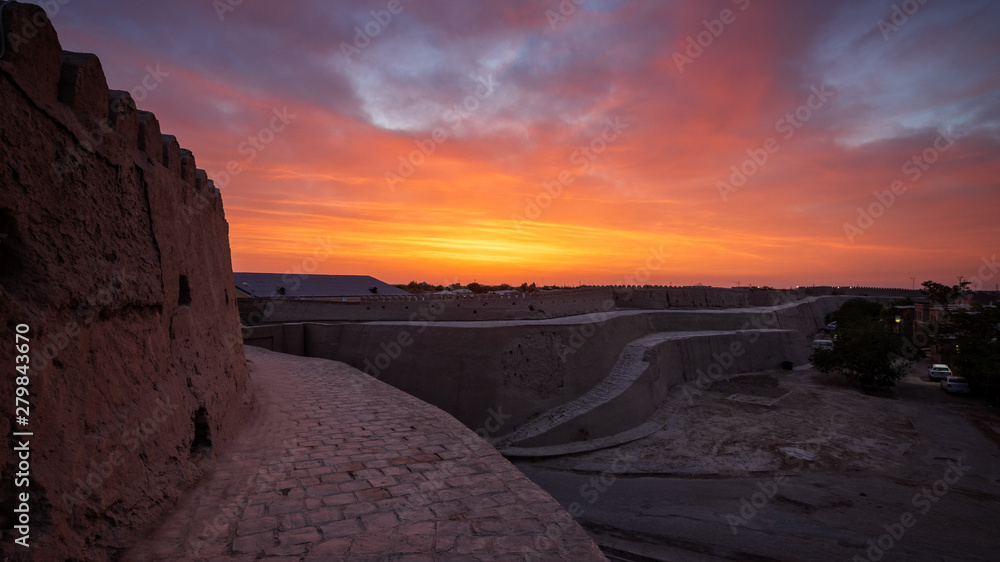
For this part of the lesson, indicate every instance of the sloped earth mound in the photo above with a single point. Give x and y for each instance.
(838, 427)
(753, 385)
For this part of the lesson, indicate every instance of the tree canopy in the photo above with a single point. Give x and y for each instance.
(942, 294)
(977, 344)
(867, 347)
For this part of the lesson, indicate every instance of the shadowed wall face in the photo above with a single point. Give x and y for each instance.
(115, 255)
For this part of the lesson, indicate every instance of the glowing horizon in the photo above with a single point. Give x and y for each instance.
(510, 143)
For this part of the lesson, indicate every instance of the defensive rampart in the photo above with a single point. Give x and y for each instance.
(115, 264)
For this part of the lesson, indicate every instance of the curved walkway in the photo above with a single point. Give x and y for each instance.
(342, 466)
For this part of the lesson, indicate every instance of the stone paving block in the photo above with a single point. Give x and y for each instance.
(414, 544)
(349, 466)
(308, 481)
(339, 499)
(444, 510)
(489, 526)
(379, 520)
(444, 543)
(299, 536)
(281, 507)
(452, 494)
(254, 526)
(354, 485)
(358, 509)
(466, 544)
(334, 477)
(453, 527)
(330, 549)
(287, 483)
(485, 513)
(323, 515)
(343, 528)
(291, 521)
(522, 526)
(514, 511)
(372, 494)
(504, 498)
(479, 501)
(375, 543)
(252, 544)
(285, 552)
(264, 498)
(382, 481)
(322, 490)
(398, 504)
(416, 514)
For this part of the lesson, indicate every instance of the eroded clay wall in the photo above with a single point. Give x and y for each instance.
(115, 255)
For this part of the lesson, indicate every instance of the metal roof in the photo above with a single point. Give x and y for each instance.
(312, 286)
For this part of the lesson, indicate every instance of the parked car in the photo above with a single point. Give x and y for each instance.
(939, 371)
(955, 384)
(824, 345)
(832, 326)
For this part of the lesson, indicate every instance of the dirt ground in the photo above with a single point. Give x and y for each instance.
(836, 468)
(843, 429)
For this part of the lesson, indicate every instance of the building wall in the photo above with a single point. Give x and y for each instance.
(116, 256)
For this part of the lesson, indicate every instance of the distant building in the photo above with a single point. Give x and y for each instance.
(278, 285)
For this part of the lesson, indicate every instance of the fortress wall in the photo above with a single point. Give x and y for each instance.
(116, 255)
(255, 312)
(467, 369)
(700, 297)
(527, 367)
(553, 304)
(896, 293)
(285, 338)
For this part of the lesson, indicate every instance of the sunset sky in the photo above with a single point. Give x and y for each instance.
(686, 142)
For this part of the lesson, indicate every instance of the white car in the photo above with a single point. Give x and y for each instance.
(939, 371)
(955, 384)
(822, 345)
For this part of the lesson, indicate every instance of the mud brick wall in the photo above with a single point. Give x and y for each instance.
(114, 250)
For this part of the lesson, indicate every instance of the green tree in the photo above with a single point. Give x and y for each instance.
(943, 294)
(977, 342)
(411, 287)
(868, 351)
(856, 313)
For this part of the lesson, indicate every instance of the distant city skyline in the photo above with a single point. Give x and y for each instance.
(766, 143)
